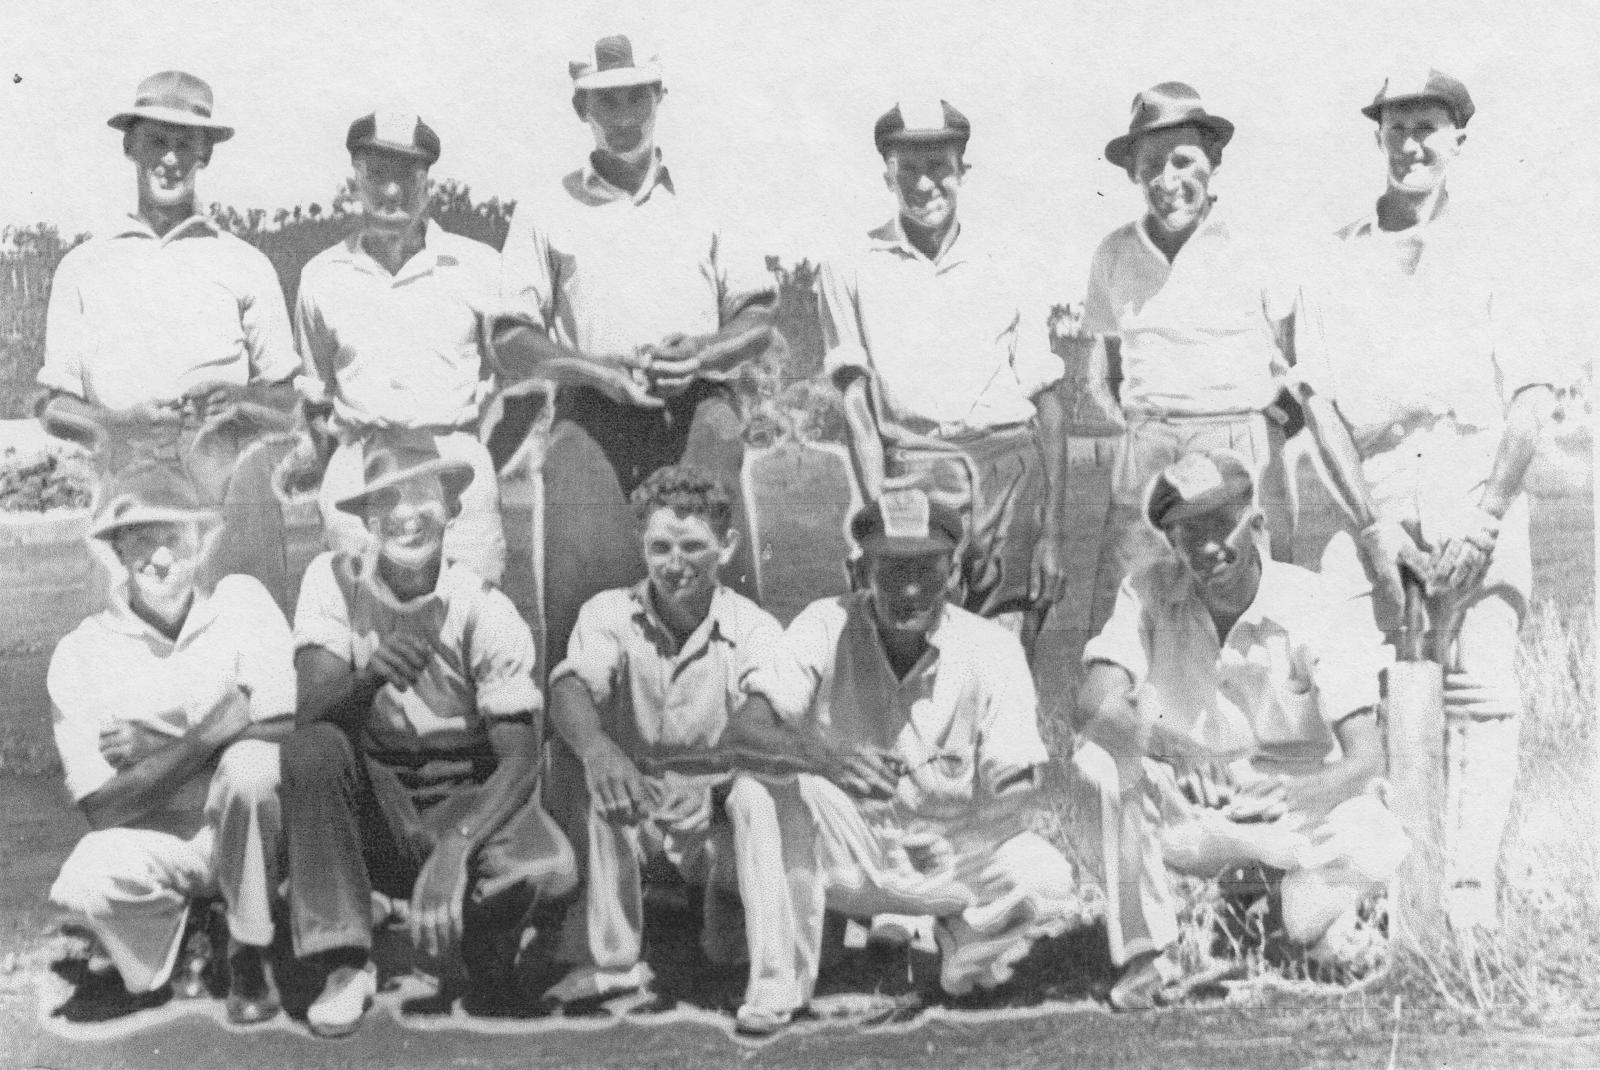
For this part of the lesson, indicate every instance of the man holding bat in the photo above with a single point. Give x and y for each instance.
(414, 767)
(1229, 717)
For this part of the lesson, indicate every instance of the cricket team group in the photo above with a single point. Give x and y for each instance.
(403, 755)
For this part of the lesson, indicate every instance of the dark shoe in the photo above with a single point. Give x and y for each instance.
(252, 991)
(100, 996)
(196, 969)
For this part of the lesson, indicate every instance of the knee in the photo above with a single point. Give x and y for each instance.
(1033, 863)
(86, 880)
(750, 803)
(315, 754)
(1094, 765)
(249, 769)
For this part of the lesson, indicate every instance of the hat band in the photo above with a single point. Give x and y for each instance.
(174, 102)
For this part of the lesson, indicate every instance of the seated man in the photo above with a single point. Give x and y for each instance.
(1229, 718)
(165, 705)
(921, 719)
(653, 666)
(414, 767)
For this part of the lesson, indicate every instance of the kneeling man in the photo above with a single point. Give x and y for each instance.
(653, 669)
(414, 767)
(1230, 717)
(921, 719)
(165, 705)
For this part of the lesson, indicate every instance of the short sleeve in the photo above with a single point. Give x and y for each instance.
(265, 319)
(321, 616)
(1008, 738)
(1125, 639)
(742, 274)
(77, 713)
(595, 647)
(760, 637)
(315, 342)
(842, 339)
(503, 660)
(1099, 314)
(791, 670)
(266, 647)
(1343, 654)
(526, 282)
(65, 334)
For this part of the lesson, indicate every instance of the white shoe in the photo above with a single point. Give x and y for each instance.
(345, 997)
(751, 1021)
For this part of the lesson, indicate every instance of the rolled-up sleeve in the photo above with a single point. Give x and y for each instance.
(1342, 655)
(1125, 641)
(526, 282)
(77, 713)
(595, 649)
(791, 669)
(65, 332)
(321, 618)
(318, 347)
(265, 319)
(266, 650)
(842, 339)
(1099, 315)
(1008, 726)
(503, 661)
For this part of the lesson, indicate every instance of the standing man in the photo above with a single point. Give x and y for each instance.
(1230, 717)
(414, 769)
(1194, 313)
(947, 374)
(164, 326)
(167, 706)
(387, 326)
(1430, 397)
(618, 270)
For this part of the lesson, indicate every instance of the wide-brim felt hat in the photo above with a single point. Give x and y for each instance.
(148, 492)
(397, 456)
(1163, 107)
(1422, 83)
(1199, 483)
(613, 65)
(906, 523)
(175, 97)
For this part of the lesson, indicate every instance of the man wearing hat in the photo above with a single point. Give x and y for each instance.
(164, 326)
(1426, 361)
(1229, 718)
(166, 705)
(947, 373)
(414, 768)
(620, 269)
(913, 725)
(1194, 312)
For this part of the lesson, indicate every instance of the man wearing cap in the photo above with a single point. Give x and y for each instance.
(1425, 360)
(619, 269)
(165, 327)
(414, 767)
(1229, 717)
(166, 707)
(914, 726)
(947, 373)
(1194, 312)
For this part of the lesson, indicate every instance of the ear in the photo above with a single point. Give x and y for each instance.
(1258, 521)
(580, 104)
(730, 545)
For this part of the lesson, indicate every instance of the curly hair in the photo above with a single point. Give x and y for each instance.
(687, 491)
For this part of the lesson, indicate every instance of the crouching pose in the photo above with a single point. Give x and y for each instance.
(414, 767)
(165, 705)
(1229, 717)
(921, 719)
(655, 668)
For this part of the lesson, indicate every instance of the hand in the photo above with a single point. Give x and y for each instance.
(1209, 785)
(1386, 548)
(685, 805)
(438, 897)
(126, 743)
(624, 379)
(865, 772)
(1263, 799)
(675, 363)
(148, 413)
(211, 398)
(616, 787)
(1464, 553)
(929, 852)
(1047, 582)
(400, 659)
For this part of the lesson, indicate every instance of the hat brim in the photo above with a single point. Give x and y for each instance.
(904, 546)
(455, 475)
(619, 77)
(124, 121)
(106, 528)
(1212, 501)
(922, 137)
(1374, 111)
(1119, 150)
(407, 152)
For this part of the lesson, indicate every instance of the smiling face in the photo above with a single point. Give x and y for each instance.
(168, 159)
(1218, 548)
(908, 592)
(408, 520)
(1173, 172)
(393, 189)
(1419, 139)
(622, 119)
(926, 182)
(162, 560)
(684, 557)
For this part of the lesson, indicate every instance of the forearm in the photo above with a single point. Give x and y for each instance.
(343, 700)
(146, 786)
(1053, 443)
(576, 719)
(517, 348)
(1342, 461)
(274, 731)
(866, 440)
(510, 786)
(1518, 442)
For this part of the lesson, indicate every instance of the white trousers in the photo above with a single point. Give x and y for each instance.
(604, 929)
(1147, 826)
(474, 538)
(1002, 891)
(131, 886)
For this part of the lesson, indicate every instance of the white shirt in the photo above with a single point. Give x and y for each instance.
(608, 271)
(1199, 334)
(114, 667)
(397, 350)
(969, 699)
(953, 343)
(1301, 659)
(136, 318)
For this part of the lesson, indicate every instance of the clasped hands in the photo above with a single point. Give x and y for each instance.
(1462, 550)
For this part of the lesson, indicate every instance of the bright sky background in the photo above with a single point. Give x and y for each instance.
(771, 105)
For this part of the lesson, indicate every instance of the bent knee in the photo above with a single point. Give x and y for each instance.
(250, 768)
(96, 867)
(1031, 861)
(315, 753)
(749, 800)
